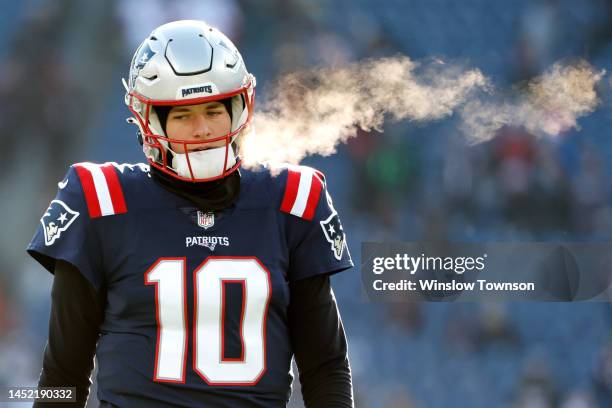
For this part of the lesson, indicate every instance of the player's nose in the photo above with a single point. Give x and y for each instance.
(201, 128)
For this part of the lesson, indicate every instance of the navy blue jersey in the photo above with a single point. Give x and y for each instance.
(196, 310)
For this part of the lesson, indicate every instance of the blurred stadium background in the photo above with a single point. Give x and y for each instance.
(62, 102)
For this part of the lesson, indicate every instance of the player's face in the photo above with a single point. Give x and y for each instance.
(198, 122)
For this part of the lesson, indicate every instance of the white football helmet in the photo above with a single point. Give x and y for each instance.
(186, 63)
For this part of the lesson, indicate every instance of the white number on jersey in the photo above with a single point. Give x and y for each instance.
(169, 277)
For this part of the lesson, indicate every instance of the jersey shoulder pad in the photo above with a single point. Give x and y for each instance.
(302, 190)
(103, 185)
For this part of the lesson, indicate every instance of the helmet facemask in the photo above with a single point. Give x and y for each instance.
(202, 165)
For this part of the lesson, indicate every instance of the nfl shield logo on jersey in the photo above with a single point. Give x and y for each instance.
(206, 220)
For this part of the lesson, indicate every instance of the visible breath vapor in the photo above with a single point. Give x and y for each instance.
(311, 112)
(546, 105)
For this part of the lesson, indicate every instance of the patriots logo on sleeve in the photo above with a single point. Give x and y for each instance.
(56, 220)
(334, 234)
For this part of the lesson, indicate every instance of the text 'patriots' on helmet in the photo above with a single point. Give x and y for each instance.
(188, 62)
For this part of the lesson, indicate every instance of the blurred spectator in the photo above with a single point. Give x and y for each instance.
(538, 31)
(537, 387)
(495, 328)
(579, 399)
(590, 193)
(139, 18)
(602, 376)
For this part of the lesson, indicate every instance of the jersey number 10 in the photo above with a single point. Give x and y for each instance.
(169, 275)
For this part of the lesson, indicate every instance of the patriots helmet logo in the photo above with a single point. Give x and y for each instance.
(142, 56)
(56, 220)
(334, 234)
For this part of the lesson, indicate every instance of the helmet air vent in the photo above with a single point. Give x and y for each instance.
(188, 54)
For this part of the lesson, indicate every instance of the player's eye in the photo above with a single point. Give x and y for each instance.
(213, 113)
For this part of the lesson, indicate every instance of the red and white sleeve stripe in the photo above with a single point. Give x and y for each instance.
(102, 189)
(302, 191)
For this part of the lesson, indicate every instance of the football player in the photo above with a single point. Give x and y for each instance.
(192, 280)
